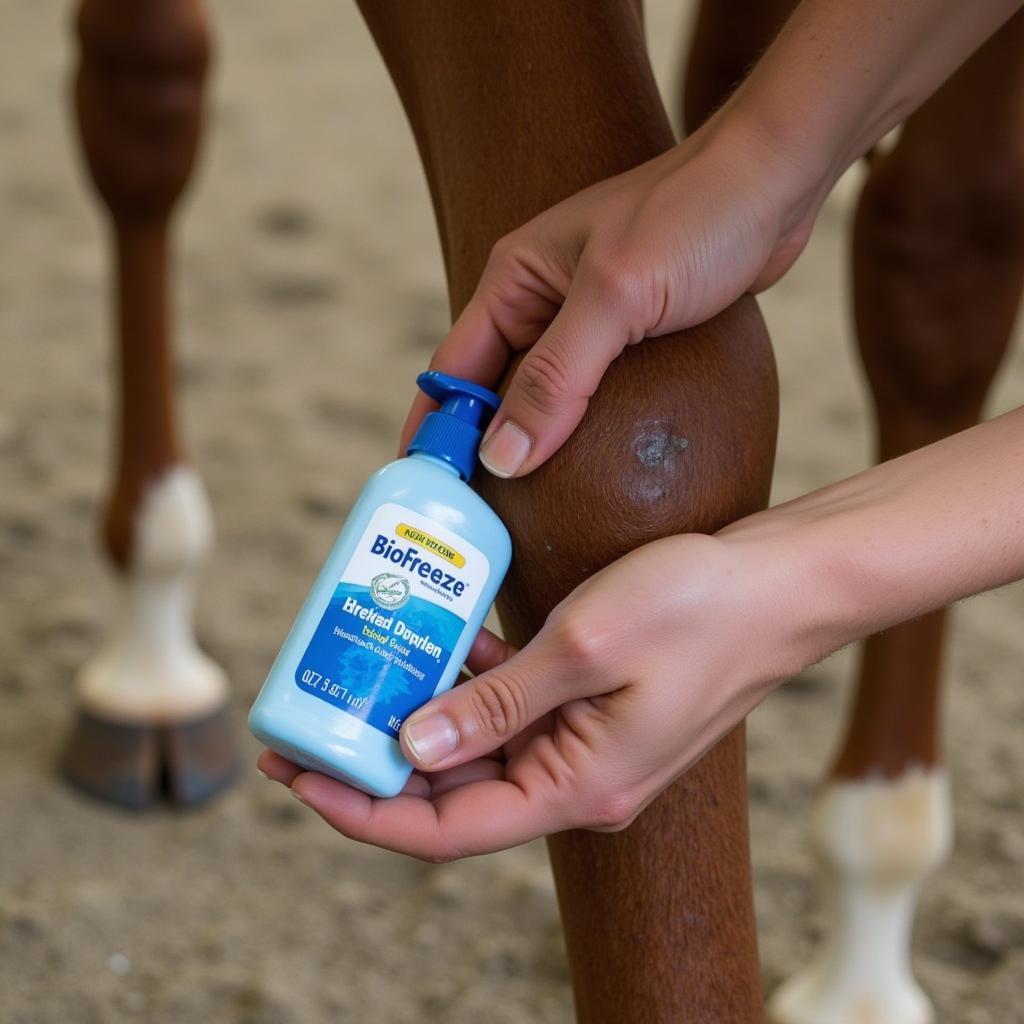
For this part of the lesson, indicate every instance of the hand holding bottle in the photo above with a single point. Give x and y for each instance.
(627, 684)
(630, 681)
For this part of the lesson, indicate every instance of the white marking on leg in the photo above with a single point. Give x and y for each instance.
(150, 669)
(875, 841)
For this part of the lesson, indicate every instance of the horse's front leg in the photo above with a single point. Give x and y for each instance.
(516, 105)
(152, 706)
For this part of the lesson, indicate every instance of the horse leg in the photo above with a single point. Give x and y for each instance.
(152, 706)
(938, 272)
(727, 38)
(516, 105)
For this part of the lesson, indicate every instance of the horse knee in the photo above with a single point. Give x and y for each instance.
(665, 447)
(939, 263)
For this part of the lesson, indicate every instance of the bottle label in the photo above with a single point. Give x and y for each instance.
(394, 619)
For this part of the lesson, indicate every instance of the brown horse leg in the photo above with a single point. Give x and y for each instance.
(938, 272)
(728, 36)
(515, 105)
(152, 706)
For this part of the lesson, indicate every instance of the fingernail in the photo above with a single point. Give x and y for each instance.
(264, 774)
(506, 449)
(297, 795)
(431, 738)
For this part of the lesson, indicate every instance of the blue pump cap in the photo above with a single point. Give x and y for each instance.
(453, 433)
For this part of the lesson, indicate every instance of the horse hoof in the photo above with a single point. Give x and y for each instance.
(137, 765)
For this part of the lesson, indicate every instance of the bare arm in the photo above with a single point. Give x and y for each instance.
(898, 540)
(840, 75)
(603, 721)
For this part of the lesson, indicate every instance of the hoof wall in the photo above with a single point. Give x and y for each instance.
(136, 766)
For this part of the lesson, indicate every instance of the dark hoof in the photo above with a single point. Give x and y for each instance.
(136, 766)
(199, 759)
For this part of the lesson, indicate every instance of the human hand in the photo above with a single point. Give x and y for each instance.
(633, 677)
(659, 248)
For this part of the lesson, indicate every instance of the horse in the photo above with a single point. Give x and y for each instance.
(516, 104)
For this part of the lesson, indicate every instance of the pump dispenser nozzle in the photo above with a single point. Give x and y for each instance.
(454, 432)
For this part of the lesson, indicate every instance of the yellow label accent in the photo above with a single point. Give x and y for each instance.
(432, 544)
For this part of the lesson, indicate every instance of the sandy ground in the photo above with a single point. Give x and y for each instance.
(309, 285)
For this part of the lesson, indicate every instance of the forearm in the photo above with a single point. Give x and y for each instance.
(900, 539)
(840, 75)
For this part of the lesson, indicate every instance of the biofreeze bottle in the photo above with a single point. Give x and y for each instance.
(396, 606)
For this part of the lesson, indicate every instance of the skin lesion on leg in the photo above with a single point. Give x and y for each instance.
(662, 450)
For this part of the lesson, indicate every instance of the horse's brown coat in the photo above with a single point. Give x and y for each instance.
(139, 100)
(515, 106)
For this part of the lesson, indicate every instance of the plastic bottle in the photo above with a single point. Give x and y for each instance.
(396, 607)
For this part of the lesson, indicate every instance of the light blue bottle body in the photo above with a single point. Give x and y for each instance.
(349, 671)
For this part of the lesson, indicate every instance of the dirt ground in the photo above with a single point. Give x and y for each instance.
(309, 294)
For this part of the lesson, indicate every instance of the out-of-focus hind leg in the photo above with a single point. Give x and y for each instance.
(938, 272)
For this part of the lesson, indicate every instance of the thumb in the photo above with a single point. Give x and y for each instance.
(480, 715)
(549, 391)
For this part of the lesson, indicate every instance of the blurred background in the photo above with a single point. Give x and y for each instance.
(309, 294)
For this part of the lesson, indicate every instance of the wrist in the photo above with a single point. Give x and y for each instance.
(819, 115)
(790, 172)
(813, 596)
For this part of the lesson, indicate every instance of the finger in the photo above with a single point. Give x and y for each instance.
(418, 785)
(485, 712)
(488, 651)
(481, 817)
(549, 392)
(511, 308)
(277, 768)
(480, 770)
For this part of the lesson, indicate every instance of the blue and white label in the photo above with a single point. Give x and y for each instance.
(394, 619)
